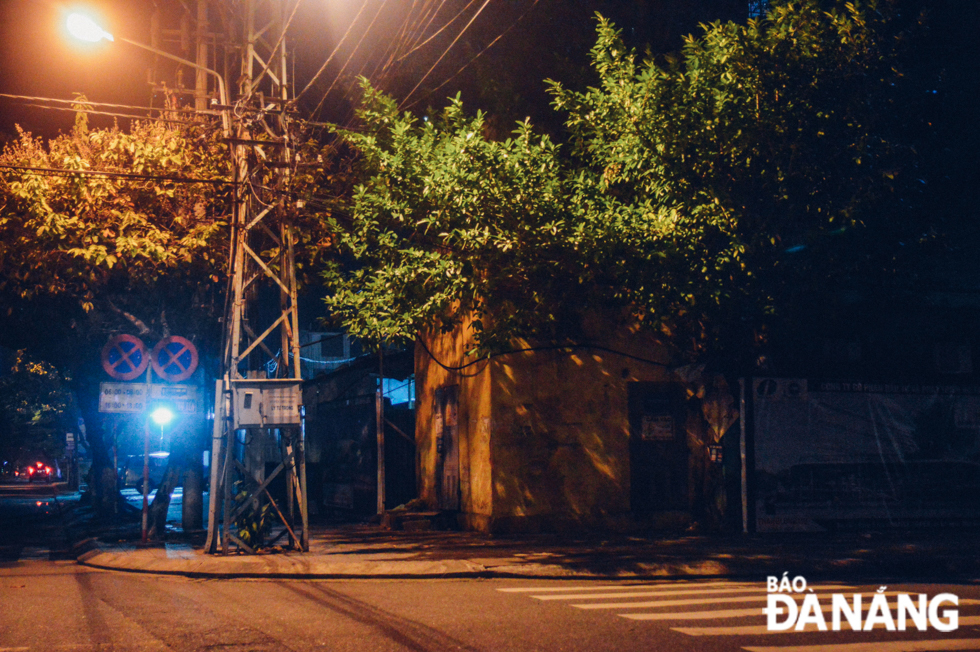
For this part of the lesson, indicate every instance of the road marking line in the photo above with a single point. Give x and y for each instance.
(696, 615)
(890, 646)
(647, 585)
(742, 613)
(755, 630)
(682, 603)
(653, 594)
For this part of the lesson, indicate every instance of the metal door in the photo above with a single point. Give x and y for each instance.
(658, 449)
(446, 431)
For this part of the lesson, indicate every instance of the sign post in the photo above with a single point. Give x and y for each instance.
(174, 359)
(146, 478)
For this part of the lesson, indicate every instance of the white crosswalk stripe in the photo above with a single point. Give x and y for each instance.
(940, 645)
(618, 587)
(650, 594)
(659, 601)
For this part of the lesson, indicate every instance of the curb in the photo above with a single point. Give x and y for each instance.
(91, 559)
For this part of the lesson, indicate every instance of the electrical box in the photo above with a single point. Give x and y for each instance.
(271, 403)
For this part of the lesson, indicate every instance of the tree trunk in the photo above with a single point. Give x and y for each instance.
(161, 502)
(192, 514)
(103, 485)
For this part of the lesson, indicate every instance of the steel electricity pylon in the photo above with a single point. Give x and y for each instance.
(257, 414)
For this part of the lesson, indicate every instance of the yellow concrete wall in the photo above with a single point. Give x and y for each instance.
(544, 434)
(473, 421)
(560, 446)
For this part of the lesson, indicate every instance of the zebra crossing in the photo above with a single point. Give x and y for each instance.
(736, 609)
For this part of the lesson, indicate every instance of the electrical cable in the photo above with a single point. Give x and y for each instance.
(349, 57)
(387, 60)
(119, 175)
(437, 32)
(84, 103)
(442, 56)
(395, 44)
(421, 29)
(425, 19)
(465, 65)
(332, 53)
(411, 23)
(128, 116)
(530, 349)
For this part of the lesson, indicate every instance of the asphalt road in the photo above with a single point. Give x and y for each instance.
(49, 603)
(57, 605)
(32, 520)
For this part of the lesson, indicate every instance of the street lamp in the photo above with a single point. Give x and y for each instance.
(84, 28)
(162, 415)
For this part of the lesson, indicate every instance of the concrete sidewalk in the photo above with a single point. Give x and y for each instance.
(366, 551)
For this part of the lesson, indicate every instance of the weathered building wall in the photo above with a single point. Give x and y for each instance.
(561, 433)
(544, 434)
(471, 421)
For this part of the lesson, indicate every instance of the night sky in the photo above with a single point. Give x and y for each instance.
(543, 39)
(38, 58)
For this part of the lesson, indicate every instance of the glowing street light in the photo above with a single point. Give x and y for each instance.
(84, 28)
(162, 415)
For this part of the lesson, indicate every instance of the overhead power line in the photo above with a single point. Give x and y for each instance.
(420, 28)
(443, 55)
(128, 116)
(82, 104)
(438, 31)
(478, 55)
(349, 57)
(332, 53)
(118, 175)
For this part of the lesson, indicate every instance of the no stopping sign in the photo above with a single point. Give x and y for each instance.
(174, 358)
(124, 357)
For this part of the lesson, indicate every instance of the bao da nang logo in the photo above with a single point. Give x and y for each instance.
(791, 605)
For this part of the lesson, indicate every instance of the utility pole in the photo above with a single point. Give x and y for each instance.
(379, 416)
(258, 397)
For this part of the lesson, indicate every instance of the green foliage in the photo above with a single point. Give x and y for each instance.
(253, 524)
(72, 234)
(762, 139)
(713, 186)
(449, 223)
(35, 405)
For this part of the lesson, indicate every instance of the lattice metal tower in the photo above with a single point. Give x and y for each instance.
(258, 418)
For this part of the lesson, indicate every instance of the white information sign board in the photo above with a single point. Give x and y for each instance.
(122, 398)
(133, 398)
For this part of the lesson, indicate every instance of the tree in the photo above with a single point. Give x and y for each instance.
(107, 231)
(447, 221)
(143, 203)
(35, 409)
(92, 223)
(698, 194)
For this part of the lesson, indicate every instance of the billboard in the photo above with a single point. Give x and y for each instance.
(854, 456)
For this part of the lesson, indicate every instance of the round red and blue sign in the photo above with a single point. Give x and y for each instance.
(174, 358)
(124, 357)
